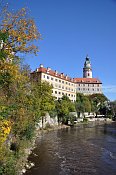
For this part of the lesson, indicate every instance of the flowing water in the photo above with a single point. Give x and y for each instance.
(83, 150)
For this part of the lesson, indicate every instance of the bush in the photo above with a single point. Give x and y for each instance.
(8, 168)
(28, 133)
(47, 126)
(85, 119)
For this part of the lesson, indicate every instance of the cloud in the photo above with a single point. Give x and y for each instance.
(109, 88)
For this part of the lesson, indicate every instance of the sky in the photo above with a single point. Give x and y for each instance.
(70, 30)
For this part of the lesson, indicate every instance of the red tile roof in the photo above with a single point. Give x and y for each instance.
(65, 77)
(53, 73)
(87, 80)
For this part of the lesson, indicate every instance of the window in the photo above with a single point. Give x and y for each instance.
(66, 82)
(97, 89)
(52, 78)
(59, 81)
(52, 91)
(62, 93)
(59, 86)
(59, 92)
(62, 87)
(98, 85)
(83, 84)
(68, 94)
(44, 76)
(88, 85)
(48, 77)
(55, 92)
(56, 80)
(93, 85)
(79, 89)
(79, 84)
(71, 95)
(63, 82)
(69, 83)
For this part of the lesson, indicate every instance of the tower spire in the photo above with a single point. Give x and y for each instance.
(87, 70)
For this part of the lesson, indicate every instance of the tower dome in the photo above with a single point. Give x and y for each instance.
(87, 63)
(87, 70)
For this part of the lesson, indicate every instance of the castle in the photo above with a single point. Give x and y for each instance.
(64, 85)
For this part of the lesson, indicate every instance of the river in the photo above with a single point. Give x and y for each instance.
(87, 149)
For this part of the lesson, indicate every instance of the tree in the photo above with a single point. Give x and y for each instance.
(82, 104)
(18, 31)
(113, 109)
(97, 102)
(43, 99)
(17, 94)
(63, 107)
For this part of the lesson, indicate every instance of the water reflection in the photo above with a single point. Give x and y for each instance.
(83, 150)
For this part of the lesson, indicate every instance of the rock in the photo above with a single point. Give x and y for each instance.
(23, 170)
(32, 164)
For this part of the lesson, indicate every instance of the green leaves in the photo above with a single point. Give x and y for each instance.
(82, 103)
(44, 101)
(63, 107)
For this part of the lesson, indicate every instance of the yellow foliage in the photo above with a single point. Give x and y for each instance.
(5, 128)
(20, 28)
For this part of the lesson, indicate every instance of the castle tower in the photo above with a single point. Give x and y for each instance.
(87, 70)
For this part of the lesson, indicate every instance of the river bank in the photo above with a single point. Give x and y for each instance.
(84, 149)
(27, 164)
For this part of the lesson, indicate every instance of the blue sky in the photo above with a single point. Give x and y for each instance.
(71, 29)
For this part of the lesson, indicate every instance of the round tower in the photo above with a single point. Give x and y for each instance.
(87, 70)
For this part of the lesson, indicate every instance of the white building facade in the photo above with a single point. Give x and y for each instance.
(64, 85)
(88, 85)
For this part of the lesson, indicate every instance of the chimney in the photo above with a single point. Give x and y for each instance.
(62, 74)
(66, 76)
(48, 69)
(41, 65)
(56, 72)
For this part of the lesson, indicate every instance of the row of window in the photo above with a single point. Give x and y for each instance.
(89, 85)
(57, 80)
(62, 87)
(62, 93)
(83, 89)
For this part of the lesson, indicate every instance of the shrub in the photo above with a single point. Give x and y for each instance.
(85, 119)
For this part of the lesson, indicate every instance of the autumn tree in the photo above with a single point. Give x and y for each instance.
(21, 32)
(17, 110)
